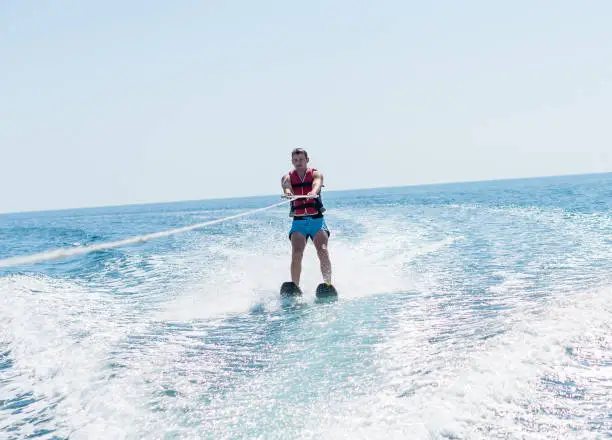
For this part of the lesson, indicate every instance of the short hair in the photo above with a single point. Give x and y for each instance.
(299, 151)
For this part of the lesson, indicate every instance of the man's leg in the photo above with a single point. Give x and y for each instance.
(298, 243)
(320, 242)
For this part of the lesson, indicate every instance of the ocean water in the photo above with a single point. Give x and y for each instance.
(466, 311)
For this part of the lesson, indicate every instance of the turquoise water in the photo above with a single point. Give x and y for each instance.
(466, 311)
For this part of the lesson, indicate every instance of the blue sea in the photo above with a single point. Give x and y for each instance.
(466, 311)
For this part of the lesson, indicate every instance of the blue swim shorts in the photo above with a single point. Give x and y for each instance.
(308, 226)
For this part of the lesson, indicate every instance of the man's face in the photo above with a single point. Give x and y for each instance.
(299, 161)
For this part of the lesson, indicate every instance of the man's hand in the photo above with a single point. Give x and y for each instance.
(317, 183)
(286, 185)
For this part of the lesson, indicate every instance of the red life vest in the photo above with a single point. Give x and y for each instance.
(301, 187)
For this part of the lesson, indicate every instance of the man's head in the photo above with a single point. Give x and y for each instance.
(299, 159)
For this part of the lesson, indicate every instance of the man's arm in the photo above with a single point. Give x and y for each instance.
(286, 185)
(317, 183)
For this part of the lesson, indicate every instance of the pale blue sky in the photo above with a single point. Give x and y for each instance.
(120, 102)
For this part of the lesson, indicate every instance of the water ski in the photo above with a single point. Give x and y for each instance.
(290, 289)
(326, 291)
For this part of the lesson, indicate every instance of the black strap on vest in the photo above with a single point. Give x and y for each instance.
(306, 205)
(301, 184)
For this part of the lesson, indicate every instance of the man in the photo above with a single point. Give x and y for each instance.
(307, 213)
